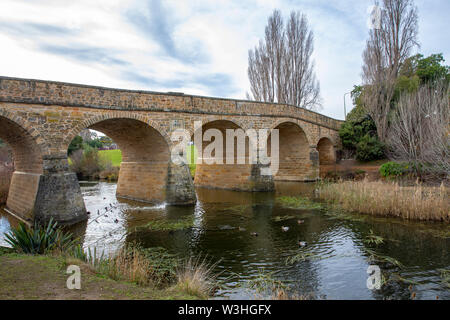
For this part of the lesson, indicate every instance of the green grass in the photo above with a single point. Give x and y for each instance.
(298, 203)
(115, 156)
(44, 277)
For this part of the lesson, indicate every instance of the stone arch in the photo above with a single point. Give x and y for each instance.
(145, 163)
(27, 153)
(327, 154)
(298, 123)
(28, 166)
(222, 174)
(30, 130)
(111, 116)
(294, 159)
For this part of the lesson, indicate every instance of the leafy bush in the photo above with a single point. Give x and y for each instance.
(394, 169)
(359, 136)
(353, 130)
(369, 148)
(87, 162)
(39, 239)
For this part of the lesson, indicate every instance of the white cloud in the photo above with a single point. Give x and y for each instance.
(196, 47)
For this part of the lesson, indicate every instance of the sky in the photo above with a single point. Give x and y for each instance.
(197, 47)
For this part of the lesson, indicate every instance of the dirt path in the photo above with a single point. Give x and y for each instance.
(43, 277)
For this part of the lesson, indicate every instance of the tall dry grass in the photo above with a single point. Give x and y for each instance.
(132, 263)
(196, 277)
(389, 199)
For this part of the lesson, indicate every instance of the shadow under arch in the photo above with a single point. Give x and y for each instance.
(295, 162)
(327, 155)
(144, 169)
(28, 168)
(235, 167)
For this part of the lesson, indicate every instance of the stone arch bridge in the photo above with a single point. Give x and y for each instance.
(39, 119)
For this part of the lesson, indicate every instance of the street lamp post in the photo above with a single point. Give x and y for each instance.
(345, 110)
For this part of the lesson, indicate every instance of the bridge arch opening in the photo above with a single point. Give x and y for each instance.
(294, 153)
(232, 167)
(27, 166)
(327, 155)
(145, 158)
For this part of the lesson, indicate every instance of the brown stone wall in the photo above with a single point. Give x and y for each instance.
(22, 194)
(145, 181)
(295, 163)
(224, 176)
(327, 154)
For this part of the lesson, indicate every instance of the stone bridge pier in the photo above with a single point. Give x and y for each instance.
(39, 119)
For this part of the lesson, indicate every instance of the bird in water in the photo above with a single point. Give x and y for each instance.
(300, 221)
(88, 212)
(254, 234)
(285, 229)
(302, 244)
(116, 221)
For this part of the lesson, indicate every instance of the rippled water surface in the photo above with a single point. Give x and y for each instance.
(413, 256)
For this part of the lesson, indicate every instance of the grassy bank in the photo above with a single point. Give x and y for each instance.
(115, 156)
(133, 272)
(44, 277)
(388, 199)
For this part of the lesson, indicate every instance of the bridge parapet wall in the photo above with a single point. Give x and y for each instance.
(66, 94)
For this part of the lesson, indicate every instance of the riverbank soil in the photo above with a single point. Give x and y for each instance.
(25, 277)
(353, 169)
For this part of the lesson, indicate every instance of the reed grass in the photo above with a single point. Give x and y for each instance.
(153, 267)
(389, 199)
(196, 277)
(132, 263)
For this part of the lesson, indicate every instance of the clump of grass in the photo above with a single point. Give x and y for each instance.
(298, 203)
(196, 277)
(283, 294)
(302, 256)
(132, 263)
(372, 238)
(170, 225)
(388, 199)
(265, 283)
(39, 239)
(375, 257)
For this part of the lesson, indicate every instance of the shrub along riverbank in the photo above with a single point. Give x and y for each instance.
(44, 253)
(91, 163)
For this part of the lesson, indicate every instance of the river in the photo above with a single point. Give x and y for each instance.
(413, 256)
